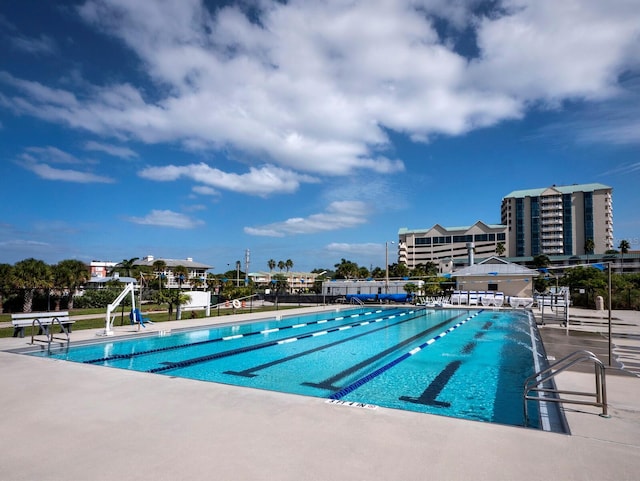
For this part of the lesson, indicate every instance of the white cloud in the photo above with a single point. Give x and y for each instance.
(40, 45)
(38, 160)
(339, 215)
(167, 218)
(47, 172)
(359, 249)
(21, 243)
(52, 154)
(550, 51)
(311, 87)
(624, 169)
(113, 150)
(205, 190)
(258, 181)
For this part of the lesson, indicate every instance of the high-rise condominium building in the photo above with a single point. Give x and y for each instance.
(559, 220)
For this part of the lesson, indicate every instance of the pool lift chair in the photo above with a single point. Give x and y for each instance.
(129, 289)
(136, 317)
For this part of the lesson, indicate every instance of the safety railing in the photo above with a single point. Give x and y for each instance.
(47, 330)
(539, 384)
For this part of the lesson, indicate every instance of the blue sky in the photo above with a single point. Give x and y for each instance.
(300, 130)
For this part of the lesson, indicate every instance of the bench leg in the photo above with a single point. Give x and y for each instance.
(18, 331)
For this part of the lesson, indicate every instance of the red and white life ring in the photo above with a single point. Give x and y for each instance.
(236, 304)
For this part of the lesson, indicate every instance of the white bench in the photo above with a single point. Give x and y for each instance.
(43, 320)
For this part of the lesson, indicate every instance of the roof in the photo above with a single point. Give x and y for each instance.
(465, 228)
(189, 264)
(562, 189)
(104, 280)
(496, 266)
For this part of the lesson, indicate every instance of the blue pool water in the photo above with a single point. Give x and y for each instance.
(462, 363)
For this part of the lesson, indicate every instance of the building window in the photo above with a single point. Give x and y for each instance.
(520, 227)
(462, 238)
(567, 222)
(535, 226)
(588, 215)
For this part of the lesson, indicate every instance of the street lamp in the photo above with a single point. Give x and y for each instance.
(321, 286)
(386, 263)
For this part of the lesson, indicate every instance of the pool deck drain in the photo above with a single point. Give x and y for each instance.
(69, 421)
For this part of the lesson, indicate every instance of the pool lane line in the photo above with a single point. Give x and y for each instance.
(250, 371)
(328, 383)
(115, 357)
(363, 380)
(241, 350)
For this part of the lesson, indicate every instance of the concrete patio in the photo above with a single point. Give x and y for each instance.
(68, 421)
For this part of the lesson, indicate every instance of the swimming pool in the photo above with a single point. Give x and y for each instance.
(469, 364)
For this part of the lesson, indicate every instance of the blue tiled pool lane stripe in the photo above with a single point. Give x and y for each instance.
(230, 338)
(240, 350)
(363, 380)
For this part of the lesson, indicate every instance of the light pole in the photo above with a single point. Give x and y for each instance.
(386, 263)
(609, 329)
(321, 286)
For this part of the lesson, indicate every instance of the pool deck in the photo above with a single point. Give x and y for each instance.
(69, 421)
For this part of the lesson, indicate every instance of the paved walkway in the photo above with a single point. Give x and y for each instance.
(69, 421)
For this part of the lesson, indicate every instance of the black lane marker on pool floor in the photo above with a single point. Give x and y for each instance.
(255, 347)
(114, 357)
(329, 383)
(250, 372)
(429, 396)
(468, 347)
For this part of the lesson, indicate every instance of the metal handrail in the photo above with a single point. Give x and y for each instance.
(48, 331)
(533, 384)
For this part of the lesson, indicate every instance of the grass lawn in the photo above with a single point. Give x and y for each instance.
(120, 319)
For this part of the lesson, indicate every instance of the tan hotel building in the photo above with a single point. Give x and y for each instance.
(441, 245)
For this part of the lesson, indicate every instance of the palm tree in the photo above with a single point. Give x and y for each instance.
(70, 275)
(540, 261)
(500, 249)
(6, 274)
(288, 264)
(159, 266)
(589, 246)
(346, 269)
(281, 265)
(181, 273)
(126, 267)
(30, 275)
(624, 248)
(363, 272)
(271, 264)
(197, 282)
